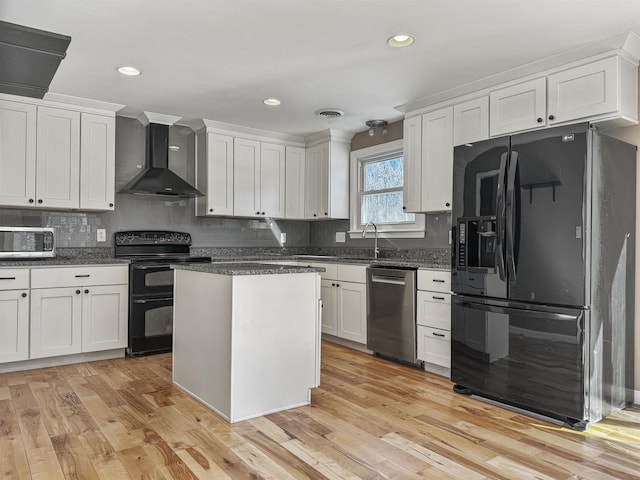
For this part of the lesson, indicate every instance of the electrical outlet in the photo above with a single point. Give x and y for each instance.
(340, 237)
(101, 235)
(283, 238)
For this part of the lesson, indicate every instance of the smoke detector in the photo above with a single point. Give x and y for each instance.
(329, 113)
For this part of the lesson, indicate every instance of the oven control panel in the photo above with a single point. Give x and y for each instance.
(157, 237)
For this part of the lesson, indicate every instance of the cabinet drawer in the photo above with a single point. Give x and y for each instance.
(79, 276)
(352, 273)
(434, 280)
(434, 346)
(14, 278)
(434, 310)
(331, 269)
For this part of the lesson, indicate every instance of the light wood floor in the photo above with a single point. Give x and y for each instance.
(371, 419)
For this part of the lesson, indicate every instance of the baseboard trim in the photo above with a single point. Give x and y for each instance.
(61, 360)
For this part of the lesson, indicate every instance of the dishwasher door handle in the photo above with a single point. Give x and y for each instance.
(389, 280)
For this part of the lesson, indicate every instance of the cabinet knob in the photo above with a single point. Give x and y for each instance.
(111, 204)
(539, 120)
(24, 295)
(211, 209)
(261, 213)
(333, 284)
(337, 284)
(257, 213)
(31, 200)
(86, 291)
(404, 207)
(552, 117)
(314, 215)
(78, 292)
(39, 200)
(447, 204)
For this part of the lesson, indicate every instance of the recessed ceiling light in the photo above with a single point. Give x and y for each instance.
(400, 40)
(131, 71)
(272, 102)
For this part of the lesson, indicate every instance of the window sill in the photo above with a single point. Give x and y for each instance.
(395, 233)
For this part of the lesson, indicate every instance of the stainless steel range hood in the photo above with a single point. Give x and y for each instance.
(29, 58)
(156, 179)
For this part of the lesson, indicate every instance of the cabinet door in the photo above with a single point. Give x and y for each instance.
(97, 162)
(17, 153)
(434, 346)
(412, 144)
(295, 183)
(55, 322)
(324, 180)
(14, 325)
(272, 180)
(312, 183)
(58, 158)
(328, 296)
(582, 92)
(246, 177)
(352, 311)
(433, 309)
(214, 172)
(104, 317)
(517, 108)
(471, 121)
(437, 160)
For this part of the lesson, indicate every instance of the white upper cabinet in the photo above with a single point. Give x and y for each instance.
(58, 158)
(590, 91)
(437, 160)
(519, 107)
(294, 182)
(428, 154)
(246, 177)
(214, 173)
(272, 180)
(17, 154)
(97, 162)
(327, 178)
(412, 146)
(471, 121)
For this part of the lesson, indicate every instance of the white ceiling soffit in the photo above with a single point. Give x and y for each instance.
(219, 59)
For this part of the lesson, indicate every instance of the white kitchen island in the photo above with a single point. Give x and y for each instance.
(246, 337)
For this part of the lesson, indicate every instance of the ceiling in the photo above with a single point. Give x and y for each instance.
(218, 59)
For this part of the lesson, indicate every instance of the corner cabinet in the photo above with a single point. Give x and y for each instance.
(327, 176)
(428, 150)
(56, 158)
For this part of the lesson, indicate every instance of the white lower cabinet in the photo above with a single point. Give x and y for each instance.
(433, 317)
(14, 315)
(78, 310)
(344, 300)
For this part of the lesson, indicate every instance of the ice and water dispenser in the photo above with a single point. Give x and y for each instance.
(476, 242)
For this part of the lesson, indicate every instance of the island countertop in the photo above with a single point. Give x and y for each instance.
(244, 268)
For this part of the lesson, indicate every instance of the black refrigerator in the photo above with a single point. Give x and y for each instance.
(543, 252)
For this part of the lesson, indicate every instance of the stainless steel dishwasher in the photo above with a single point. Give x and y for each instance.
(391, 312)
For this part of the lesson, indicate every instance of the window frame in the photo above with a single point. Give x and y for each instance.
(415, 229)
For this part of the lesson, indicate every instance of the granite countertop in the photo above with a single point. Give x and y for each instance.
(250, 268)
(402, 262)
(62, 261)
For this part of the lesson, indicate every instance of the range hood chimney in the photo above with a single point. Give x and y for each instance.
(29, 58)
(156, 179)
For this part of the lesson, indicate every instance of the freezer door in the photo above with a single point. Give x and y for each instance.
(531, 359)
(478, 222)
(545, 216)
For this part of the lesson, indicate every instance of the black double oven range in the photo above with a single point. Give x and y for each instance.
(151, 285)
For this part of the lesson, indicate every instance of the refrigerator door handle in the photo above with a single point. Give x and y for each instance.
(505, 310)
(510, 215)
(500, 216)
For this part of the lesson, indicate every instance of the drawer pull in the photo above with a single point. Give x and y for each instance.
(437, 334)
(83, 276)
(7, 278)
(437, 298)
(437, 280)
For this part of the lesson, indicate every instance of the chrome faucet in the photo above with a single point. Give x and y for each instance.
(376, 250)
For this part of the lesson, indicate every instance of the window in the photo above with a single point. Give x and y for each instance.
(377, 179)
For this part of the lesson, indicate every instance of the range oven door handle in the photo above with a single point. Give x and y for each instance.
(150, 267)
(164, 299)
(507, 310)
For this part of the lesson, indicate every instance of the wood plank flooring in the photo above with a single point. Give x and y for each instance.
(371, 419)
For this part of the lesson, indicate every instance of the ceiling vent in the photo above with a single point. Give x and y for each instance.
(329, 113)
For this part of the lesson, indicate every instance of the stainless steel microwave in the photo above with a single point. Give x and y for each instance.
(26, 242)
